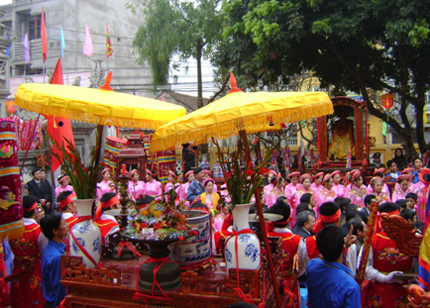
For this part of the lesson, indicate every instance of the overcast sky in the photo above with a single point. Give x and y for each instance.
(3, 2)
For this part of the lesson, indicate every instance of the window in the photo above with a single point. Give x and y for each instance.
(34, 27)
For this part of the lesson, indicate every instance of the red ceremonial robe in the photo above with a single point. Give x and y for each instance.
(290, 245)
(105, 226)
(26, 291)
(386, 258)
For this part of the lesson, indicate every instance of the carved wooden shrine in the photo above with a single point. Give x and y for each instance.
(355, 109)
(133, 154)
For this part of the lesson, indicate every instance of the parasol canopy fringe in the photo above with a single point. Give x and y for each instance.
(251, 124)
(89, 118)
(12, 230)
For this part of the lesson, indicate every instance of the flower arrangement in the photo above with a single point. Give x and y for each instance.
(166, 221)
(83, 178)
(242, 182)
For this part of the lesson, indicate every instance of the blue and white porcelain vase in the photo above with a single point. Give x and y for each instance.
(248, 245)
(85, 238)
(196, 248)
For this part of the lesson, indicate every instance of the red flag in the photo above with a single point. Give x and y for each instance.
(44, 37)
(58, 127)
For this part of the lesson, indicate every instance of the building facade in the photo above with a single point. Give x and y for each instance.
(25, 16)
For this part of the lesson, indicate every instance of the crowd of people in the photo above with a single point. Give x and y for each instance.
(323, 226)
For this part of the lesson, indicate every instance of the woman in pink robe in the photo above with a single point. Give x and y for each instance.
(379, 173)
(403, 189)
(338, 187)
(358, 191)
(172, 177)
(326, 193)
(377, 184)
(268, 188)
(63, 180)
(152, 186)
(208, 175)
(278, 190)
(317, 178)
(294, 185)
(305, 181)
(105, 185)
(136, 188)
(181, 190)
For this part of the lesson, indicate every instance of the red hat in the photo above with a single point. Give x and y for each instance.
(335, 172)
(355, 174)
(380, 170)
(318, 175)
(207, 172)
(273, 172)
(150, 173)
(62, 177)
(133, 172)
(294, 174)
(424, 179)
(374, 179)
(189, 173)
(326, 177)
(208, 180)
(105, 169)
(407, 170)
(305, 176)
(170, 172)
(105, 205)
(403, 177)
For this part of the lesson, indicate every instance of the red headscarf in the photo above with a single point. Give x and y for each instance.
(327, 219)
(104, 205)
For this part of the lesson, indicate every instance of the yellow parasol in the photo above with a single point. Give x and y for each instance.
(96, 106)
(239, 111)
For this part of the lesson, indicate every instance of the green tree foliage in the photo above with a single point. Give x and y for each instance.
(188, 28)
(360, 45)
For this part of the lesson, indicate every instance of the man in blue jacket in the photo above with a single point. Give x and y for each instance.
(330, 283)
(55, 228)
(196, 187)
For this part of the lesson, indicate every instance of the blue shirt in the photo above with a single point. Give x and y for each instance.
(330, 284)
(416, 176)
(53, 290)
(195, 189)
(394, 176)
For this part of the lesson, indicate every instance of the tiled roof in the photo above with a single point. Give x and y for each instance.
(82, 125)
(188, 101)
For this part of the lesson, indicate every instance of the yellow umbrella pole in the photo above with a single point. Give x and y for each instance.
(242, 135)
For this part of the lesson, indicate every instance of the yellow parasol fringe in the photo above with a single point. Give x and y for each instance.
(12, 230)
(253, 123)
(89, 118)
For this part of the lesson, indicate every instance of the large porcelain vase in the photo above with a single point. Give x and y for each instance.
(85, 237)
(248, 248)
(197, 248)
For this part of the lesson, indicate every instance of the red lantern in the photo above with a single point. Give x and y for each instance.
(387, 100)
(11, 107)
